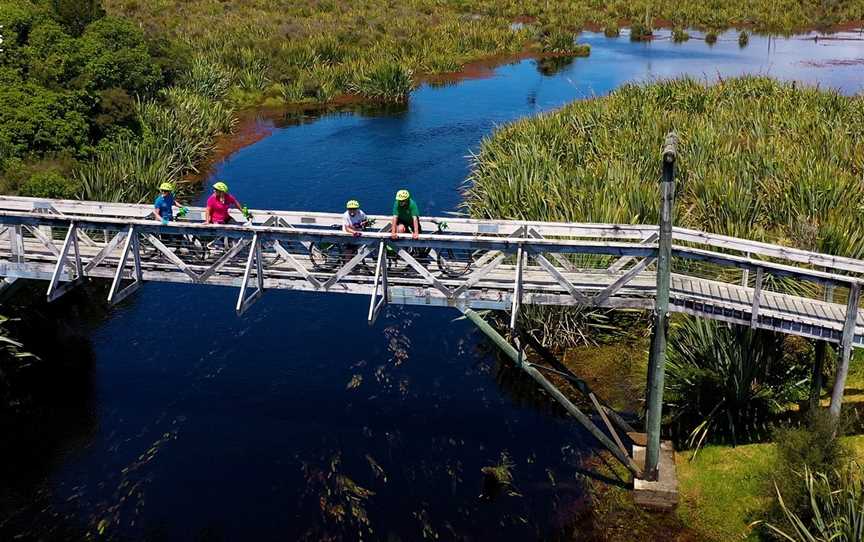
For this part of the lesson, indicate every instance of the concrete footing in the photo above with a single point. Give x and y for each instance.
(661, 494)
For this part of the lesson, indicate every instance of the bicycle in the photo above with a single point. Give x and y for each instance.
(329, 256)
(454, 262)
(451, 262)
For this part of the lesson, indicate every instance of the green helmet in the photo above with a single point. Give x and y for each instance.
(352, 204)
(167, 186)
(402, 195)
(220, 187)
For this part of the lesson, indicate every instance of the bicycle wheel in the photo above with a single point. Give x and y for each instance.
(324, 255)
(455, 262)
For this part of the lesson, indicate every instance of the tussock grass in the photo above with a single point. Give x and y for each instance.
(760, 159)
(313, 51)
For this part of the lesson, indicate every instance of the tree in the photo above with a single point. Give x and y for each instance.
(76, 15)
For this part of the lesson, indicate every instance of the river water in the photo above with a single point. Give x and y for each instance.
(177, 420)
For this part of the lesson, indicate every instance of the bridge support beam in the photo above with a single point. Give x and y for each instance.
(518, 357)
(116, 295)
(55, 289)
(244, 301)
(657, 360)
(816, 377)
(845, 350)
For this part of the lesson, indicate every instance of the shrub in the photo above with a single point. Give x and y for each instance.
(36, 121)
(814, 445)
(387, 81)
(725, 382)
(679, 35)
(207, 78)
(114, 53)
(128, 171)
(835, 510)
(116, 109)
(641, 31)
(611, 30)
(50, 184)
(77, 14)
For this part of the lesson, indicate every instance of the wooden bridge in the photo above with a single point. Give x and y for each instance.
(478, 264)
(462, 263)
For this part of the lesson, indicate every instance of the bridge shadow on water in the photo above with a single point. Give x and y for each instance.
(56, 415)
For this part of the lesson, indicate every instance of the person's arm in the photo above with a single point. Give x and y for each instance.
(393, 233)
(416, 233)
(156, 214)
(237, 204)
(346, 224)
(207, 215)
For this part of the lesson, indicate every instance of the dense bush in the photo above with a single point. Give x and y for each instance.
(49, 184)
(834, 511)
(37, 121)
(761, 159)
(68, 76)
(724, 383)
(814, 446)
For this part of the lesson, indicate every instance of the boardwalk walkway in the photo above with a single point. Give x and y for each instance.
(464, 263)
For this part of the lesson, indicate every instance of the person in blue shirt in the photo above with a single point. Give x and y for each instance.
(165, 203)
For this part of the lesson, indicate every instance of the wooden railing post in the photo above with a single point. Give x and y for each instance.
(657, 360)
(845, 350)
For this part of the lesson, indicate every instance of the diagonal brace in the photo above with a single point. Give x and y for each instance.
(244, 302)
(116, 295)
(55, 289)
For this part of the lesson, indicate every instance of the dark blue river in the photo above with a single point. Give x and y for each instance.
(177, 420)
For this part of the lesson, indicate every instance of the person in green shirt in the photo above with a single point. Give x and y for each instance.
(406, 216)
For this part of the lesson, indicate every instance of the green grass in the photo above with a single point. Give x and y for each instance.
(723, 489)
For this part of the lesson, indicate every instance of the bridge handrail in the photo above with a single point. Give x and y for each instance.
(509, 244)
(457, 224)
(472, 225)
(769, 250)
(472, 241)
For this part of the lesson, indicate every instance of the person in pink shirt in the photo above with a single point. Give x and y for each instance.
(218, 205)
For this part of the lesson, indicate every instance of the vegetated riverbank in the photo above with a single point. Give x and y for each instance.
(723, 489)
(759, 159)
(196, 62)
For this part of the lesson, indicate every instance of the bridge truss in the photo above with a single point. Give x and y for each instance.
(457, 262)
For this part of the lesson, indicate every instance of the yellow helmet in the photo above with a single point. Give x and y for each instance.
(402, 195)
(352, 204)
(166, 186)
(220, 187)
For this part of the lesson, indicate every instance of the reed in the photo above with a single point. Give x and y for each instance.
(761, 159)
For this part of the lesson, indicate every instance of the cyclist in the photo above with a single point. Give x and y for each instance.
(406, 216)
(354, 220)
(218, 205)
(163, 207)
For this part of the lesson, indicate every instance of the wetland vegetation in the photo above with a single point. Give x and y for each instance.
(100, 98)
(105, 100)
